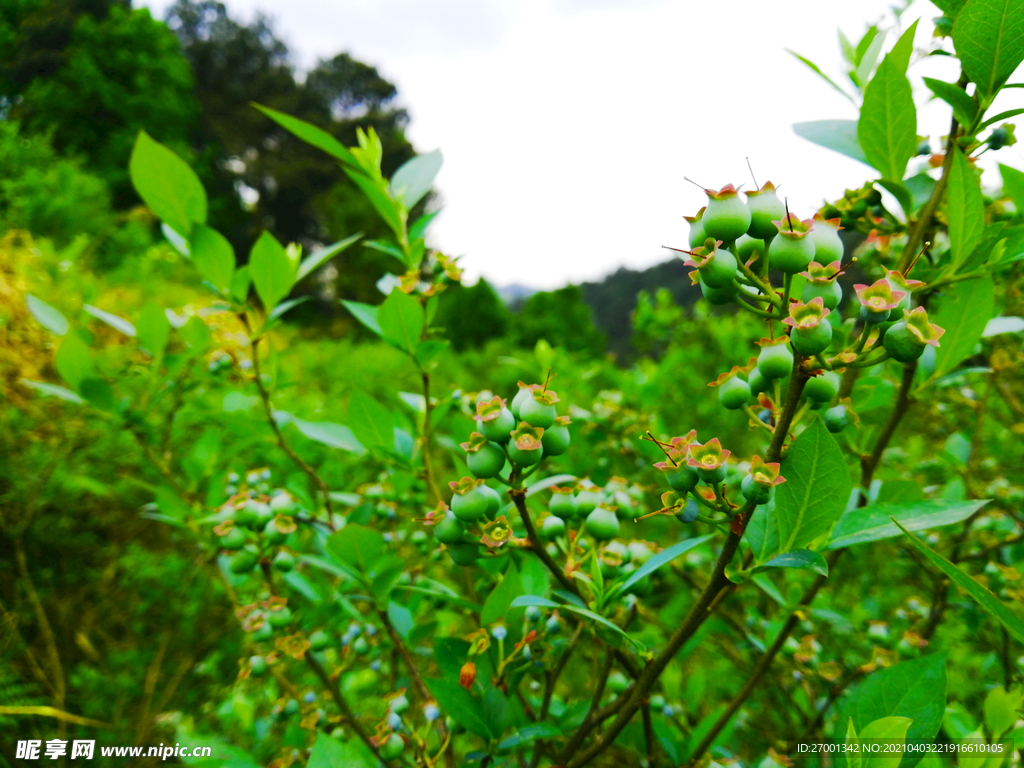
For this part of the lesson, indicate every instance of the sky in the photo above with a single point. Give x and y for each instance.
(567, 126)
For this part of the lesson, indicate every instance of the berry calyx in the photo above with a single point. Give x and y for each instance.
(468, 504)
(526, 447)
(906, 340)
(539, 410)
(733, 392)
(765, 208)
(602, 524)
(496, 421)
(877, 300)
(828, 246)
(810, 333)
(234, 538)
(483, 457)
(726, 217)
(556, 438)
(759, 484)
(709, 460)
(775, 360)
(821, 281)
(898, 282)
(792, 250)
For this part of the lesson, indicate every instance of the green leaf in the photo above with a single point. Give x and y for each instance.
(867, 54)
(54, 390)
(309, 133)
(357, 546)
(892, 730)
(1013, 185)
(989, 39)
(872, 523)
(801, 559)
(837, 135)
(401, 619)
(419, 227)
(325, 432)
(814, 68)
(900, 53)
(989, 602)
(240, 284)
(448, 596)
(662, 558)
(949, 7)
(528, 734)
(1001, 116)
(331, 753)
(887, 129)
(365, 314)
(413, 179)
(51, 319)
(499, 602)
(271, 270)
(901, 193)
(460, 706)
(401, 320)
(964, 312)
(167, 185)
(964, 108)
(284, 306)
(371, 423)
(73, 361)
(914, 689)
(379, 199)
(816, 490)
(524, 601)
(966, 209)
(196, 334)
(153, 329)
(1001, 708)
(316, 259)
(853, 756)
(428, 351)
(213, 256)
(115, 322)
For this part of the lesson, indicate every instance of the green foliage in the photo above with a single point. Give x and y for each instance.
(559, 317)
(471, 316)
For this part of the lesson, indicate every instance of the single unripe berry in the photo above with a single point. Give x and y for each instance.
(999, 138)
(657, 702)
(828, 246)
(717, 296)
(533, 614)
(617, 682)
(537, 413)
(588, 499)
(810, 341)
(399, 705)
(273, 534)
(682, 478)
(733, 393)
(280, 619)
(689, 512)
(563, 503)
(823, 387)
(759, 494)
(257, 666)
(831, 293)
(525, 447)
(757, 381)
(726, 216)
(499, 428)
(493, 500)
(790, 253)
(292, 707)
(283, 504)
(765, 209)
(718, 270)
(748, 248)
(551, 528)
(463, 552)
(469, 505)
(556, 438)
(836, 419)
(449, 529)
(243, 561)
(361, 646)
(697, 233)
(284, 561)
(233, 539)
(525, 393)
(775, 360)
(901, 344)
(265, 632)
(261, 513)
(319, 640)
(552, 626)
(486, 461)
(602, 524)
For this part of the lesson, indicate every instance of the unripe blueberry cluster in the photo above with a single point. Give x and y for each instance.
(252, 526)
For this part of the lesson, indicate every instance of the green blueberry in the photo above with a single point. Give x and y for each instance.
(555, 440)
(360, 646)
(292, 707)
(874, 316)
(657, 702)
(537, 414)
(257, 666)
(810, 341)
(823, 387)
(790, 255)
(697, 233)
(283, 504)
(734, 393)
(280, 619)
(487, 461)
(272, 534)
(265, 632)
(748, 247)
(765, 209)
(319, 640)
(689, 512)
(759, 494)
(392, 748)
(640, 552)
(726, 218)
(284, 561)
(563, 504)
(493, 500)
(620, 549)
(828, 246)
(902, 344)
(244, 515)
(449, 529)
(682, 478)
(261, 512)
(712, 475)
(717, 296)
(757, 381)
(602, 524)
(617, 682)
(718, 271)
(469, 506)
(499, 429)
(524, 394)
(243, 561)
(836, 419)
(463, 552)
(774, 361)
(831, 293)
(551, 528)
(233, 539)
(588, 499)
(399, 705)
(526, 458)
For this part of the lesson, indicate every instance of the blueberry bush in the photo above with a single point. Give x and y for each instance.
(800, 521)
